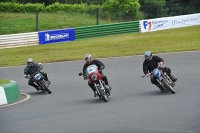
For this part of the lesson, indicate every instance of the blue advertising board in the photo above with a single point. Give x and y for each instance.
(55, 36)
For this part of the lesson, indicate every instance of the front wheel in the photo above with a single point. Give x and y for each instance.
(168, 86)
(103, 94)
(45, 87)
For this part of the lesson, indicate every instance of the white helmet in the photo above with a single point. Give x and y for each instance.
(88, 58)
(148, 55)
(30, 62)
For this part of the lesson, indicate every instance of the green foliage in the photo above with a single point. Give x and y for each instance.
(152, 2)
(182, 8)
(55, 7)
(166, 8)
(88, 2)
(16, 7)
(122, 10)
(125, 9)
(75, 8)
(153, 8)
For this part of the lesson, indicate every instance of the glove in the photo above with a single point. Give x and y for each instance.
(85, 77)
(27, 76)
(161, 63)
(147, 75)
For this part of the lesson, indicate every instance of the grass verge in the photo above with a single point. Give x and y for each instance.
(11, 23)
(172, 40)
(4, 81)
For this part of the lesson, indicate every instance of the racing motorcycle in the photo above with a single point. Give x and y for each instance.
(40, 80)
(163, 79)
(94, 76)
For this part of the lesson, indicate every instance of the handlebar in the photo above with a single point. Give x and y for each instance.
(159, 67)
(39, 69)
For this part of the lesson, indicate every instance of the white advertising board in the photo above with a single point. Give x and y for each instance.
(169, 22)
(3, 99)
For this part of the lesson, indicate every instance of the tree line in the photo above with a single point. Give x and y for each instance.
(100, 2)
(137, 9)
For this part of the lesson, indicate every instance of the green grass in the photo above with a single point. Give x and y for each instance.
(11, 23)
(4, 81)
(173, 40)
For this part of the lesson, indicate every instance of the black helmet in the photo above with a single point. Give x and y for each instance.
(30, 62)
(88, 58)
(148, 55)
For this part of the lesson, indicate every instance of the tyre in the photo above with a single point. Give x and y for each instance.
(103, 94)
(168, 87)
(45, 87)
(105, 98)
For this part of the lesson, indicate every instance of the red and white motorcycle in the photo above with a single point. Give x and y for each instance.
(94, 76)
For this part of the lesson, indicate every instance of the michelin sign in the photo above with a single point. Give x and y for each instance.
(55, 36)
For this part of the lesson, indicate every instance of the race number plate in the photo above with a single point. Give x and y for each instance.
(90, 70)
(37, 76)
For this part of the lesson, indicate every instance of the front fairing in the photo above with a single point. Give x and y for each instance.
(93, 73)
(37, 77)
(157, 73)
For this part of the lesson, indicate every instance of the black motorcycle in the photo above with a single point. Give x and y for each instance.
(40, 80)
(163, 79)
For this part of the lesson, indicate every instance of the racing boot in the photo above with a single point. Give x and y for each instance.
(173, 78)
(48, 82)
(93, 88)
(37, 88)
(95, 93)
(160, 87)
(108, 89)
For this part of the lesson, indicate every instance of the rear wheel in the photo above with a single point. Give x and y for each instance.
(45, 87)
(168, 86)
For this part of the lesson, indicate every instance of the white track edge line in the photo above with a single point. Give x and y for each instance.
(28, 96)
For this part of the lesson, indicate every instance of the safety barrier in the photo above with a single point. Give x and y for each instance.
(29, 39)
(9, 93)
(107, 29)
(18, 40)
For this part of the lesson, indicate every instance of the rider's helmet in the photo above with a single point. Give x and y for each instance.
(30, 62)
(148, 55)
(88, 58)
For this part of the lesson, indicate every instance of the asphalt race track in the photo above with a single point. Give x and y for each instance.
(135, 105)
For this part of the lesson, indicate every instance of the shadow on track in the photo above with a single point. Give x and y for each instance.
(37, 93)
(89, 101)
(154, 93)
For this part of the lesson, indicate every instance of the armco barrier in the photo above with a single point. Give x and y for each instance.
(18, 40)
(28, 39)
(11, 91)
(107, 29)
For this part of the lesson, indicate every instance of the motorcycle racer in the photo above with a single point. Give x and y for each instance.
(89, 61)
(31, 68)
(150, 63)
